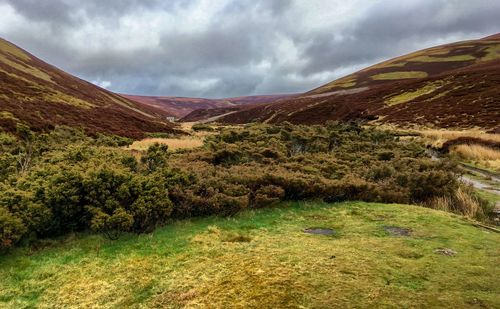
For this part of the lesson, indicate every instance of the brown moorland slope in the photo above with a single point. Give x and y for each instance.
(180, 106)
(42, 96)
(454, 85)
(239, 104)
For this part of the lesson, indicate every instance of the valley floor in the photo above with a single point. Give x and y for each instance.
(379, 255)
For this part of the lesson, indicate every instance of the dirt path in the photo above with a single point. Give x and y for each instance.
(480, 185)
(492, 187)
(212, 119)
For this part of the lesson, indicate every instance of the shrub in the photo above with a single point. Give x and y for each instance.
(74, 182)
(11, 229)
(155, 157)
(202, 127)
(267, 195)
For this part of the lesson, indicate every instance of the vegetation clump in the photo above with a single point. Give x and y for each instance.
(64, 181)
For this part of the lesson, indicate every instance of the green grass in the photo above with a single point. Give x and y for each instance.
(443, 58)
(399, 75)
(7, 115)
(404, 97)
(492, 53)
(263, 259)
(490, 197)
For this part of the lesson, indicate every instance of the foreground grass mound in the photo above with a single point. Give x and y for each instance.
(379, 255)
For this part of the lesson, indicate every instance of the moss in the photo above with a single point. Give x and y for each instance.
(399, 75)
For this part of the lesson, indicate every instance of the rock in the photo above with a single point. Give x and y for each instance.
(446, 251)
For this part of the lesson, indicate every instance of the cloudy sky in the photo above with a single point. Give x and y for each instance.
(223, 48)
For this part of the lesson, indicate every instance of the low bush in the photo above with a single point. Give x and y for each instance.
(202, 127)
(64, 181)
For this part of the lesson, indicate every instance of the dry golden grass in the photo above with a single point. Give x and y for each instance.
(476, 152)
(480, 155)
(437, 138)
(463, 204)
(172, 143)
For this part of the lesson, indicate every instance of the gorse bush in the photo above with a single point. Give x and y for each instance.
(52, 184)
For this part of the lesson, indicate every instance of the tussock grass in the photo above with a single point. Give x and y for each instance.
(462, 203)
(476, 152)
(173, 143)
(480, 155)
(195, 264)
(437, 138)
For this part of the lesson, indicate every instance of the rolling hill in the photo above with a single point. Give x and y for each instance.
(453, 85)
(180, 106)
(42, 96)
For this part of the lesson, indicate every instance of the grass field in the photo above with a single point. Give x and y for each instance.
(263, 259)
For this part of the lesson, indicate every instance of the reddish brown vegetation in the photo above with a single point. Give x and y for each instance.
(242, 104)
(203, 108)
(42, 96)
(467, 95)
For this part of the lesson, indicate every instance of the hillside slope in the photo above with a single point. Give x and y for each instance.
(42, 96)
(453, 85)
(181, 106)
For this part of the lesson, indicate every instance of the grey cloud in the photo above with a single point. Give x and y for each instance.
(239, 50)
(391, 30)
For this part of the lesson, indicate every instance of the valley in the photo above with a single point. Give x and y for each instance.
(378, 189)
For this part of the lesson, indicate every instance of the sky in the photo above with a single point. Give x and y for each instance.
(225, 48)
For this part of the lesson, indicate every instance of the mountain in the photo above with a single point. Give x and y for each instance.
(42, 96)
(453, 85)
(179, 106)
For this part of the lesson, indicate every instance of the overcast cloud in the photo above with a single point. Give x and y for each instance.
(223, 48)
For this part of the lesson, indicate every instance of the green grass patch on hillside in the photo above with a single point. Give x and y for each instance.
(264, 259)
(25, 68)
(8, 116)
(6, 47)
(63, 98)
(443, 59)
(346, 82)
(399, 75)
(411, 95)
(490, 197)
(396, 64)
(492, 53)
